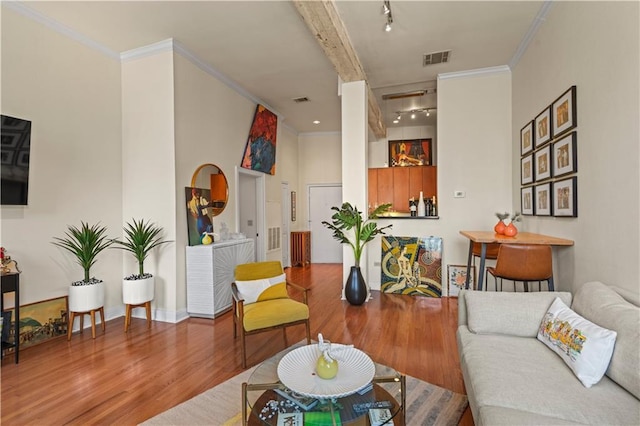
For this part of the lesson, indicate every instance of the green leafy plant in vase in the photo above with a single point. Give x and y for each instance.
(85, 244)
(349, 227)
(141, 237)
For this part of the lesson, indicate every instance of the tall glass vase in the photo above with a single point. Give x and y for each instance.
(355, 289)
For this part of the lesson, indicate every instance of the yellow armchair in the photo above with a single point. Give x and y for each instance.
(261, 302)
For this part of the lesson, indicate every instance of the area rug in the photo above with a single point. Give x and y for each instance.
(221, 405)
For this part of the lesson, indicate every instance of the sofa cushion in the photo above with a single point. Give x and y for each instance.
(603, 306)
(523, 374)
(490, 415)
(584, 346)
(516, 314)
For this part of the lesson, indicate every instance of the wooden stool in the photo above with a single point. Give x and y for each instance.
(92, 312)
(129, 307)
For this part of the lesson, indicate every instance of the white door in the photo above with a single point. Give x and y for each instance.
(286, 211)
(324, 248)
(251, 209)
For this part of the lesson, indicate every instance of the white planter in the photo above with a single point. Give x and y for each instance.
(84, 298)
(136, 292)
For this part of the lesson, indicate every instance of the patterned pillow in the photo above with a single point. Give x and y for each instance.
(251, 290)
(584, 346)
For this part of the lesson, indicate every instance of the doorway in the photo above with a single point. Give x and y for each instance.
(286, 209)
(324, 248)
(250, 208)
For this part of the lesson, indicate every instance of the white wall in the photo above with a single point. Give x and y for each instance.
(71, 94)
(148, 167)
(595, 46)
(474, 157)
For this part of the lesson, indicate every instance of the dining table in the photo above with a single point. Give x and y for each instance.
(488, 237)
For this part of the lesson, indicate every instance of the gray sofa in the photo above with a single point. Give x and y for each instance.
(512, 378)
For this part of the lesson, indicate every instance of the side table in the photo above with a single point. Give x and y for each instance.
(11, 284)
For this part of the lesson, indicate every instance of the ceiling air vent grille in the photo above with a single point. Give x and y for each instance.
(436, 58)
(300, 100)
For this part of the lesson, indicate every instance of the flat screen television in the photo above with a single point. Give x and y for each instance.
(14, 166)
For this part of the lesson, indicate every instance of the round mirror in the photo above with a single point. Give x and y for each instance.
(209, 176)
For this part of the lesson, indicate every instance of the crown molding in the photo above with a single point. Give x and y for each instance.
(167, 45)
(22, 9)
(475, 73)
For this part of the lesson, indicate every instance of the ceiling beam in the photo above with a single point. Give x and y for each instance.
(325, 24)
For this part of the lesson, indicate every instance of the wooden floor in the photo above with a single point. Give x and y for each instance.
(127, 378)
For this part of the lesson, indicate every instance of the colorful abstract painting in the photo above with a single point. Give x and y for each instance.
(412, 265)
(260, 151)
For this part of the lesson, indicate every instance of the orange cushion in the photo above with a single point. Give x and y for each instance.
(273, 312)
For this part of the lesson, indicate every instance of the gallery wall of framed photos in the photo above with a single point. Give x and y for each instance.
(549, 160)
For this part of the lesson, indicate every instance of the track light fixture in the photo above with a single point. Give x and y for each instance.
(386, 10)
(412, 113)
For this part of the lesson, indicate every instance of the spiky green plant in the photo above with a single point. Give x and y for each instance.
(349, 228)
(140, 238)
(85, 243)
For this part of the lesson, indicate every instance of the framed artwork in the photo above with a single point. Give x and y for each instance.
(565, 157)
(543, 199)
(456, 277)
(260, 150)
(526, 169)
(527, 206)
(415, 152)
(526, 138)
(565, 197)
(543, 163)
(543, 127)
(293, 206)
(42, 321)
(411, 265)
(199, 214)
(564, 112)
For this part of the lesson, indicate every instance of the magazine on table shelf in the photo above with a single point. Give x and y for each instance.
(380, 416)
(304, 402)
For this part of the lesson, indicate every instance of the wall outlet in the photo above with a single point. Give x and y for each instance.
(458, 194)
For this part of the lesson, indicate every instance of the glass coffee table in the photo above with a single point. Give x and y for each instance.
(266, 401)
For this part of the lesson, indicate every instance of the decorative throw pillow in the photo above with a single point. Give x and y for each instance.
(584, 346)
(251, 290)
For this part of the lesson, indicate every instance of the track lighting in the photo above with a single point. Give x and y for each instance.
(386, 10)
(413, 115)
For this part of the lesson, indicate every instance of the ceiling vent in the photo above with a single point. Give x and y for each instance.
(301, 100)
(436, 58)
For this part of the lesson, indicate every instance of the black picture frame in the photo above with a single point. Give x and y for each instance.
(565, 197)
(542, 161)
(527, 201)
(543, 199)
(410, 152)
(526, 139)
(565, 155)
(526, 169)
(564, 112)
(542, 127)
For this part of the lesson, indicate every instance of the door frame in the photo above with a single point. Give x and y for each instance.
(261, 208)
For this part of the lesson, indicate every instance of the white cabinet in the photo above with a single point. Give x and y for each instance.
(210, 270)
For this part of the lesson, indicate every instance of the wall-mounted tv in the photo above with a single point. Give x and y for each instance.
(14, 165)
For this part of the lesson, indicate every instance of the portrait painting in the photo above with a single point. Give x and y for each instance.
(543, 127)
(526, 169)
(526, 200)
(565, 197)
(543, 168)
(543, 199)
(260, 150)
(526, 138)
(564, 112)
(416, 152)
(412, 265)
(565, 155)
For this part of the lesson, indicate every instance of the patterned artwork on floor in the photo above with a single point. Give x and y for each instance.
(412, 265)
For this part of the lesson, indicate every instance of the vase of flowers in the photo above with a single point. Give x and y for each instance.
(500, 226)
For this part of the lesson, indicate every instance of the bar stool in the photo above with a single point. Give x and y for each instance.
(491, 254)
(522, 262)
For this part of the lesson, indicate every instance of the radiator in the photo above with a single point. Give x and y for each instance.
(300, 248)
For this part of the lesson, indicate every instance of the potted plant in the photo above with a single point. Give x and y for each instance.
(140, 238)
(85, 243)
(511, 230)
(349, 227)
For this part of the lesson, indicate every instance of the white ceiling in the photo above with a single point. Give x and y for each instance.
(266, 49)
